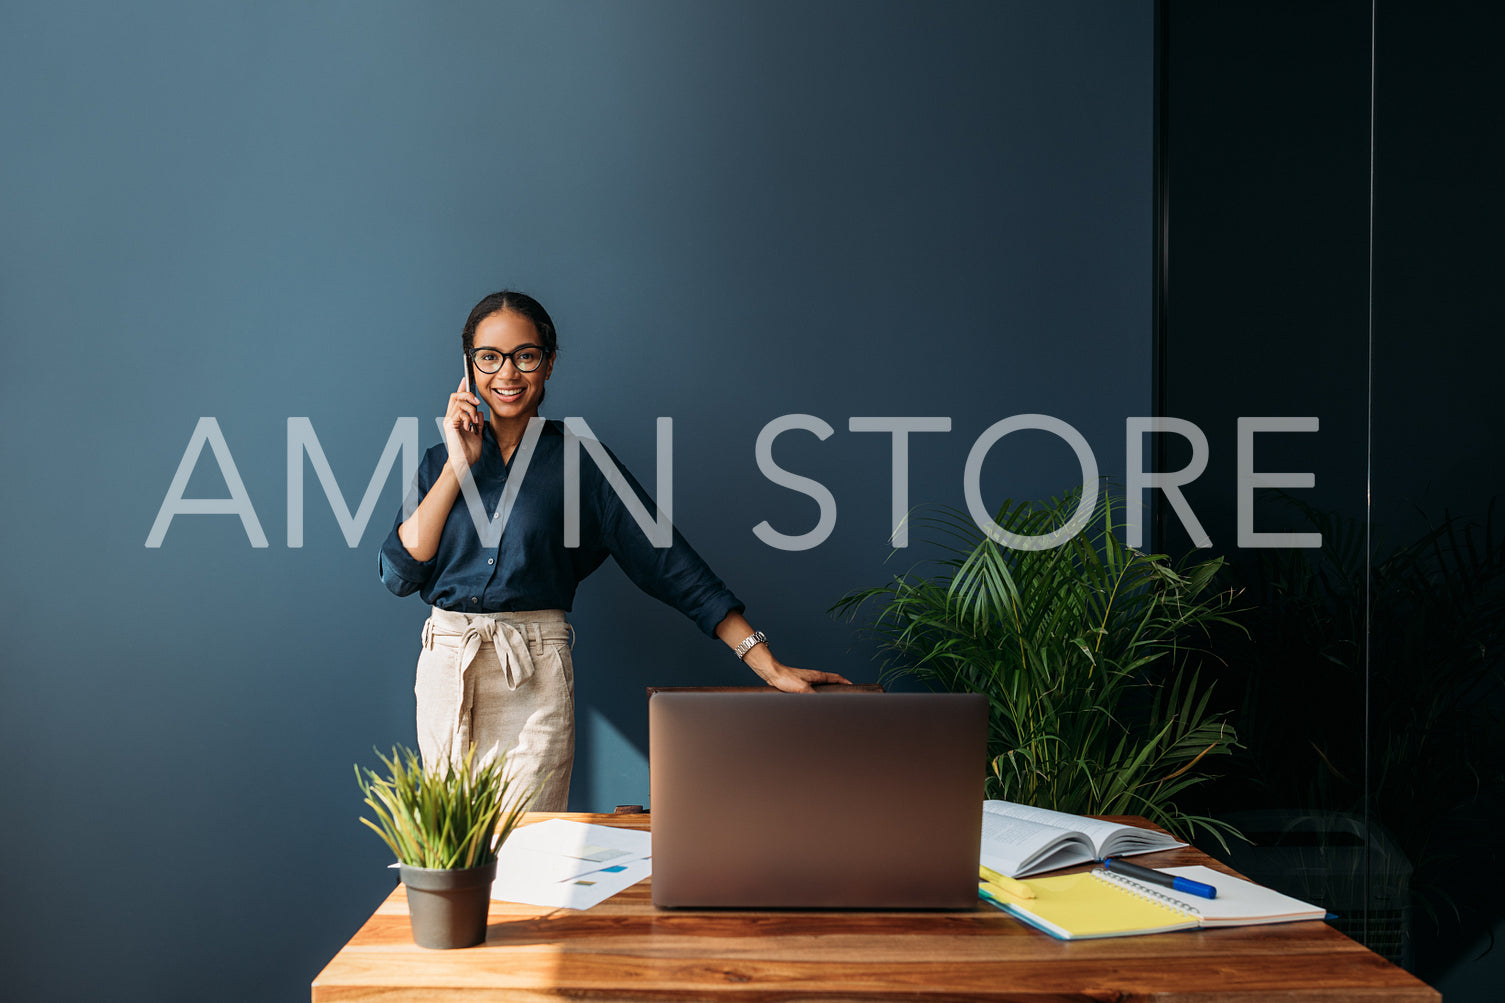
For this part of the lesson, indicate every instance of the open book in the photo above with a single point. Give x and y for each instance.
(1103, 904)
(1019, 840)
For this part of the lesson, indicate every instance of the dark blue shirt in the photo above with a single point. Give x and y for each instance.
(530, 568)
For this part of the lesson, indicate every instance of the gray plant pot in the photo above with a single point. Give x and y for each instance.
(448, 908)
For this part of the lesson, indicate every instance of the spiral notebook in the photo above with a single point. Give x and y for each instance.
(1100, 903)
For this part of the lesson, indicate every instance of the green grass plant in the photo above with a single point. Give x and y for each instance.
(1084, 651)
(452, 818)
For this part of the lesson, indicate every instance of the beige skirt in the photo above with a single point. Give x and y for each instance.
(505, 682)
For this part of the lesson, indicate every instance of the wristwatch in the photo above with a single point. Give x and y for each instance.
(755, 638)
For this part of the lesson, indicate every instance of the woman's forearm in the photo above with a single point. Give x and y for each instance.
(420, 532)
(734, 629)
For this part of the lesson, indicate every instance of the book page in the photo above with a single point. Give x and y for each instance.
(1129, 839)
(1014, 846)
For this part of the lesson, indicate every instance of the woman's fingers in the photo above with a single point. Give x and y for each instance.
(813, 677)
(463, 410)
(792, 680)
(471, 404)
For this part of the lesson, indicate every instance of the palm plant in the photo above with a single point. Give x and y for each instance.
(1083, 652)
(453, 818)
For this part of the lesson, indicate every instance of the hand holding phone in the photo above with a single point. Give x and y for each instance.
(470, 388)
(462, 426)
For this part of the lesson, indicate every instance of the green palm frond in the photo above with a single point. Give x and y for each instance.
(1084, 651)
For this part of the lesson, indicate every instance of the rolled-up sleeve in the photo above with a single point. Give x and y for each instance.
(400, 573)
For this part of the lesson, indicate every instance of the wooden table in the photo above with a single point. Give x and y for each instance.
(625, 949)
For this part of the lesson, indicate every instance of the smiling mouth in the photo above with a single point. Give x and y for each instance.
(509, 393)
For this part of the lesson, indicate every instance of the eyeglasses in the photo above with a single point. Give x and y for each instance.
(526, 358)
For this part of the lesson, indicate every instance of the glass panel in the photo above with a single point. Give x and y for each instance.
(1437, 585)
(1265, 348)
(1369, 691)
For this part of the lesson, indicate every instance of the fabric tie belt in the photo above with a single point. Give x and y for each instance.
(509, 655)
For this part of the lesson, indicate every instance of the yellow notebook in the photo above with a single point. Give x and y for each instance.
(1082, 906)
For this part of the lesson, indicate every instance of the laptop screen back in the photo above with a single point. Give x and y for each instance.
(836, 800)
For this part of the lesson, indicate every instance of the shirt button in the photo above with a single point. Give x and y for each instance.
(491, 560)
(474, 599)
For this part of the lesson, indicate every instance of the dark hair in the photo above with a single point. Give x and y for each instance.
(514, 302)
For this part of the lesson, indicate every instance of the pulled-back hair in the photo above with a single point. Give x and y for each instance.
(514, 302)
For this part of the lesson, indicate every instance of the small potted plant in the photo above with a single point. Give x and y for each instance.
(445, 827)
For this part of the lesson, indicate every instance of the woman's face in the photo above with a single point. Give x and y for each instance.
(509, 392)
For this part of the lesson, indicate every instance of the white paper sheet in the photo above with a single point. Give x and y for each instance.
(571, 865)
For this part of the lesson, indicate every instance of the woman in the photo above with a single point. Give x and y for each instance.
(495, 667)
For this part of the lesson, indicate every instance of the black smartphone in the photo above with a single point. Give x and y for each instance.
(470, 385)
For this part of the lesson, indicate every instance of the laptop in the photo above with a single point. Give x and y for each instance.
(825, 801)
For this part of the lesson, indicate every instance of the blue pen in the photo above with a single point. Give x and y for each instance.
(1155, 877)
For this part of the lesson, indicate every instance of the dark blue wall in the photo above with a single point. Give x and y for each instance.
(735, 211)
